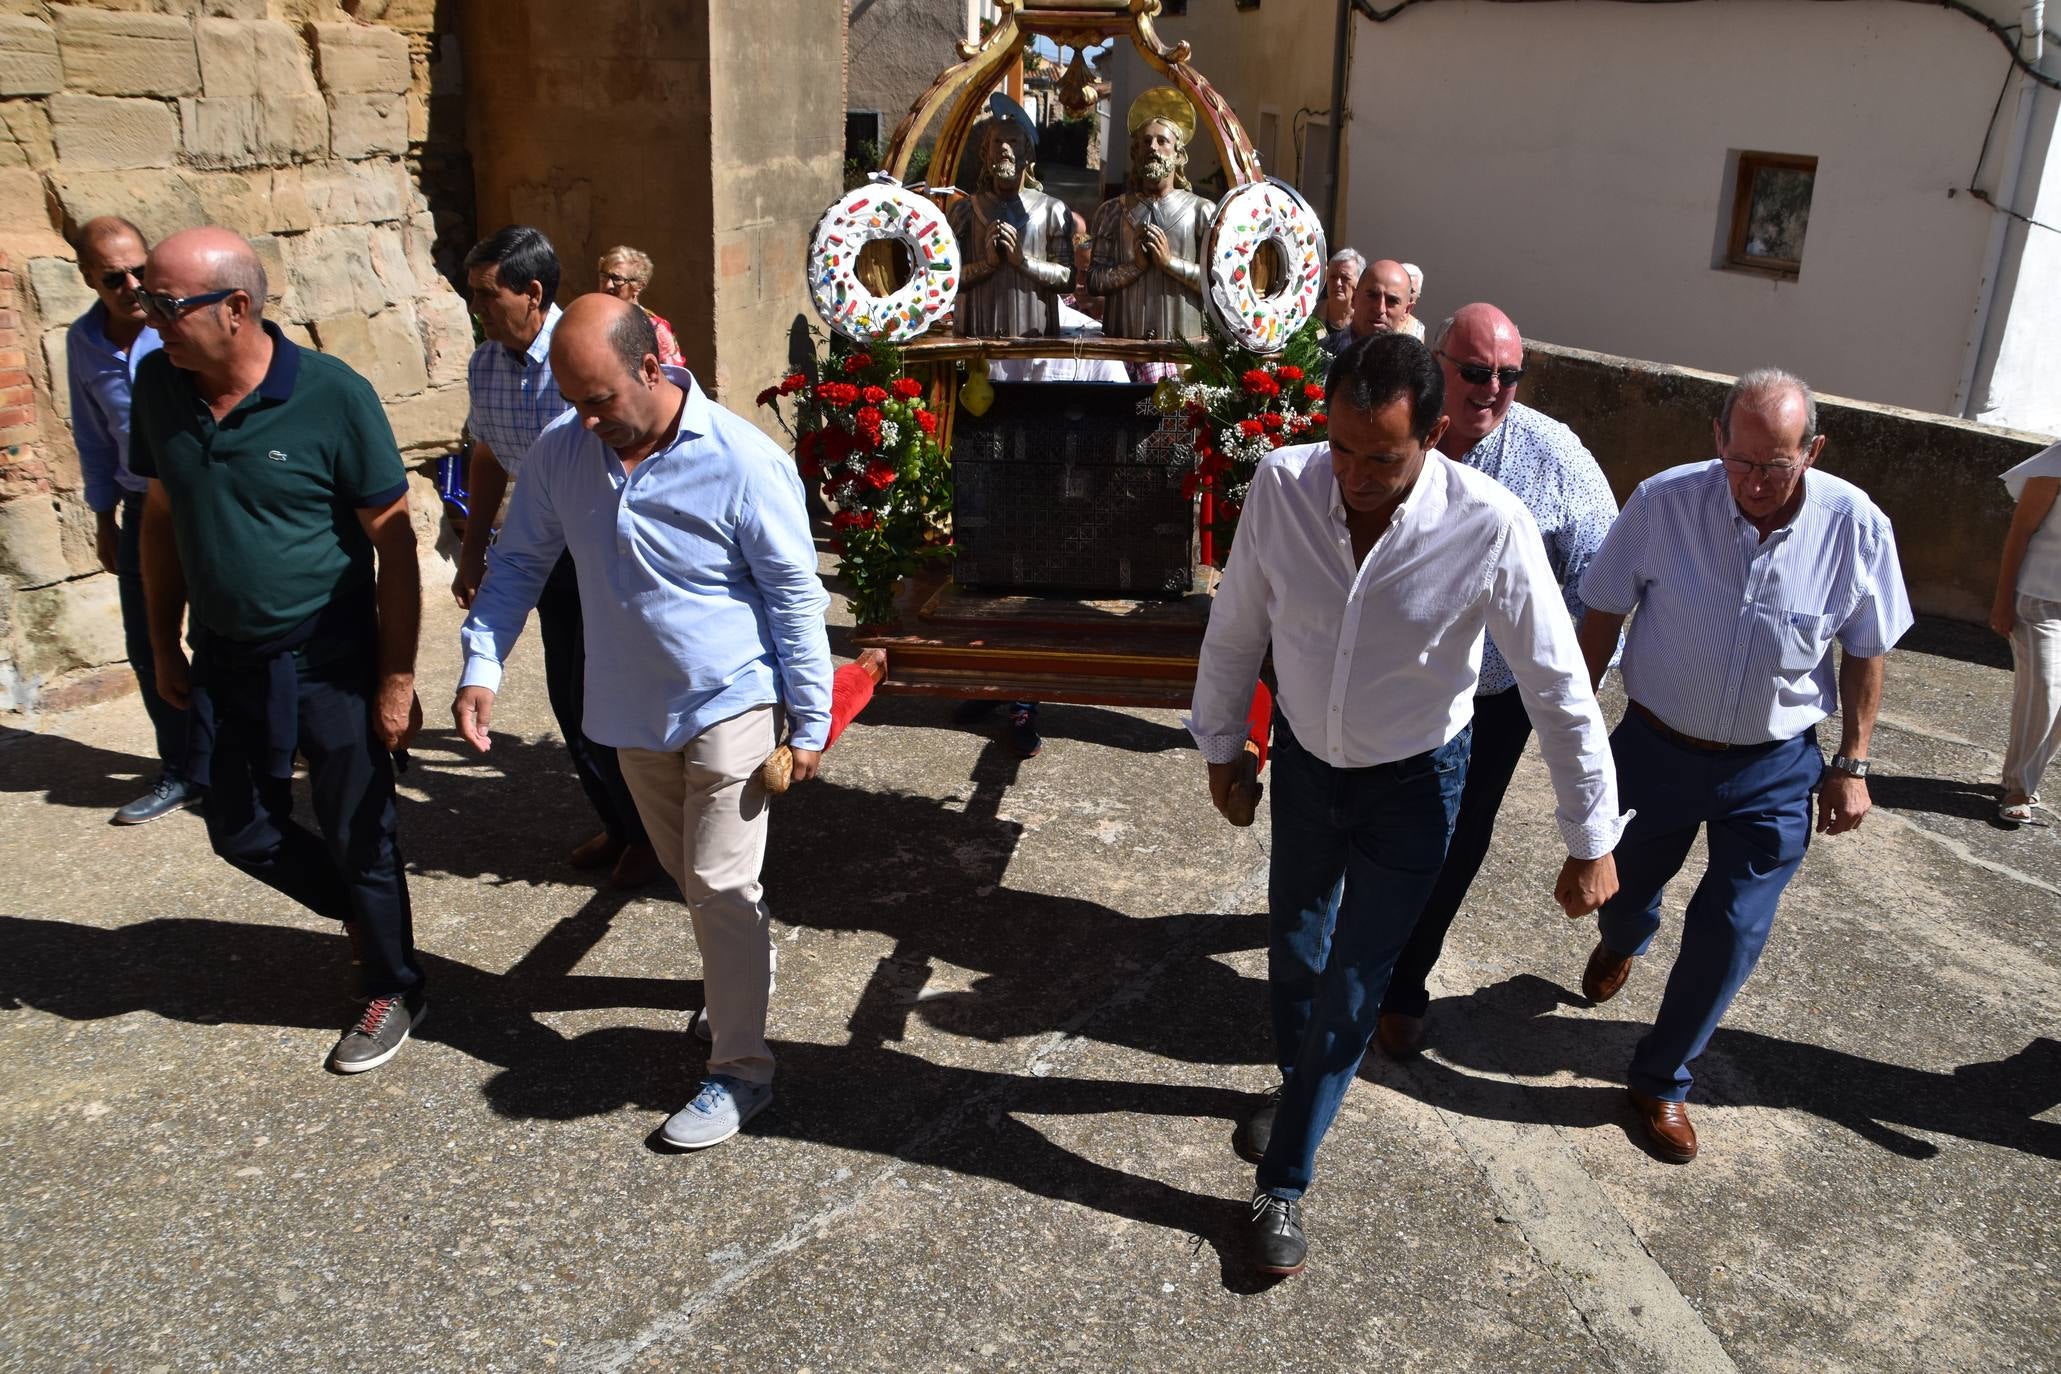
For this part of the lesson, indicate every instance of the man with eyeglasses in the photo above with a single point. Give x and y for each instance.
(102, 350)
(1744, 571)
(1542, 463)
(512, 282)
(277, 526)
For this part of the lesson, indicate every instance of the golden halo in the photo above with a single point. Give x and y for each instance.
(1167, 103)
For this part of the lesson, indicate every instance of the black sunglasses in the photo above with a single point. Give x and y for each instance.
(1476, 374)
(160, 306)
(117, 277)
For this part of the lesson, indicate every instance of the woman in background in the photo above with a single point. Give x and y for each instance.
(2027, 611)
(625, 273)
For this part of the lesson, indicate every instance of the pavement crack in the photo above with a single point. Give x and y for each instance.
(1966, 855)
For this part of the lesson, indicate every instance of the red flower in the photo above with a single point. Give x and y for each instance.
(926, 422)
(1251, 429)
(880, 476)
(1230, 510)
(908, 388)
(837, 393)
(1213, 463)
(1317, 417)
(1288, 372)
(854, 520)
(873, 395)
(1258, 383)
(1191, 484)
(858, 362)
(1271, 420)
(1312, 392)
(1276, 440)
(793, 382)
(765, 398)
(837, 547)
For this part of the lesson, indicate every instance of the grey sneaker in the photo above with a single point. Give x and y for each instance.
(168, 794)
(717, 1112)
(379, 1032)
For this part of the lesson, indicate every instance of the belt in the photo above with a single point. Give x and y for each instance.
(1669, 731)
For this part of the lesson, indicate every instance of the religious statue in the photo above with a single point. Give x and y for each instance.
(1149, 240)
(1015, 242)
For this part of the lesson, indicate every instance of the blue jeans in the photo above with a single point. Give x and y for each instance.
(1356, 851)
(1757, 803)
(167, 720)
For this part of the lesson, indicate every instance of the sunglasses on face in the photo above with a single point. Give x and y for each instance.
(117, 277)
(1478, 374)
(160, 306)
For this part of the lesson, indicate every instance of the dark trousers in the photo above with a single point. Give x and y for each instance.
(353, 873)
(1355, 852)
(1756, 802)
(563, 631)
(169, 721)
(1501, 729)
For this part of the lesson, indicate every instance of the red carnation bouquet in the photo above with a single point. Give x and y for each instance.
(864, 438)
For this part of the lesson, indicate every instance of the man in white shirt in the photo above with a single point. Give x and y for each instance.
(1373, 565)
(1744, 570)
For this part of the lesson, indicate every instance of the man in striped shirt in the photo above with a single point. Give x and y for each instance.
(1743, 570)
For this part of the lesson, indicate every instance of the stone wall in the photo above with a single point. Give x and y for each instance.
(295, 122)
(1935, 477)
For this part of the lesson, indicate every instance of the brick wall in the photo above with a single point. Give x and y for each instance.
(294, 122)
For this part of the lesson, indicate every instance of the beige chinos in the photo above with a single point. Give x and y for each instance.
(2035, 694)
(705, 810)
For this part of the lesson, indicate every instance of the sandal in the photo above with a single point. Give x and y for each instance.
(2018, 812)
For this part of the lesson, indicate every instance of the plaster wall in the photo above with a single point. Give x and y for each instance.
(1936, 478)
(897, 48)
(2015, 382)
(1568, 162)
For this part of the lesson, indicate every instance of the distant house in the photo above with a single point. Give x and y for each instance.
(1843, 189)
(894, 50)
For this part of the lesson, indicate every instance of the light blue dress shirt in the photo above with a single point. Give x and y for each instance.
(101, 378)
(1733, 636)
(514, 396)
(697, 579)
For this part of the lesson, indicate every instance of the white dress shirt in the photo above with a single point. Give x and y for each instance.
(1379, 661)
(1733, 637)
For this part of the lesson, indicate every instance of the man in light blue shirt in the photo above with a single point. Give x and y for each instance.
(1744, 571)
(703, 613)
(102, 348)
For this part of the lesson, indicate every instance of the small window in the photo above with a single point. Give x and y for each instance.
(1771, 210)
(1248, 4)
(1173, 9)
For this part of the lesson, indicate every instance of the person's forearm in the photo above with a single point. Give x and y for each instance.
(1597, 634)
(488, 481)
(1860, 697)
(164, 581)
(399, 591)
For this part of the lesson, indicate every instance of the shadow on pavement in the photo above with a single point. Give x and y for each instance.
(1971, 801)
(69, 773)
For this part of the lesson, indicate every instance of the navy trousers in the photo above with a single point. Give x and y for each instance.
(168, 721)
(563, 629)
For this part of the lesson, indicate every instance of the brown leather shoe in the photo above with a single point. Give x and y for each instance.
(1605, 974)
(1400, 1036)
(637, 866)
(1667, 1127)
(599, 852)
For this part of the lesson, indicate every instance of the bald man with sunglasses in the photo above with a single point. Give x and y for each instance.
(1542, 463)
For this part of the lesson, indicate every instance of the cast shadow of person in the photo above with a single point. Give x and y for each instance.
(1508, 1028)
(69, 772)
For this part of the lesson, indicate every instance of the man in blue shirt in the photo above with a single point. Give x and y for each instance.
(102, 348)
(1744, 571)
(703, 612)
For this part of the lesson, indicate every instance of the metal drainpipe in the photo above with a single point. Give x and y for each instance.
(1338, 77)
(2032, 22)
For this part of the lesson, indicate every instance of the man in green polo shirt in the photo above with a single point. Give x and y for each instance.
(277, 519)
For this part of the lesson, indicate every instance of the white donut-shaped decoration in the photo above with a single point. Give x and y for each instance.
(882, 211)
(1250, 217)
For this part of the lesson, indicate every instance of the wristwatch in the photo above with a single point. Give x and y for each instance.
(1856, 768)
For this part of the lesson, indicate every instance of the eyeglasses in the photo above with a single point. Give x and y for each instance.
(617, 279)
(1478, 374)
(117, 277)
(160, 306)
(1772, 471)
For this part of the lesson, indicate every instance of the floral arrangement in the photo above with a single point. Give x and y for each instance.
(863, 437)
(1238, 407)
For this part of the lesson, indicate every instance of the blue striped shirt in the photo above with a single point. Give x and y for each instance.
(1733, 636)
(514, 395)
(101, 377)
(1542, 463)
(697, 579)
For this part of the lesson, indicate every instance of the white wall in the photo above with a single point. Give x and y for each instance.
(1567, 162)
(2020, 386)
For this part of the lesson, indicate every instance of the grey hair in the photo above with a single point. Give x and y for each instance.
(1767, 383)
(638, 262)
(246, 274)
(1438, 335)
(1353, 256)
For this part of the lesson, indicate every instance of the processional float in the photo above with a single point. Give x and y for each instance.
(1075, 567)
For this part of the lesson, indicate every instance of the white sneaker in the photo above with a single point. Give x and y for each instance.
(717, 1112)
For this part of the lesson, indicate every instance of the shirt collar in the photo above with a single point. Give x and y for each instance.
(285, 367)
(1403, 507)
(94, 322)
(694, 415)
(1739, 517)
(540, 347)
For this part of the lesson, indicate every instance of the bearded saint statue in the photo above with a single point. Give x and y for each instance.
(1015, 242)
(1149, 240)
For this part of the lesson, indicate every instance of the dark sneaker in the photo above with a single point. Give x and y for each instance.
(379, 1032)
(717, 1112)
(1023, 730)
(1273, 1235)
(168, 794)
(1257, 1129)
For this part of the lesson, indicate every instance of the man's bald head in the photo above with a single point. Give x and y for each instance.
(604, 355)
(1382, 301)
(209, 258)
(599, 320)
(1480, 340)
